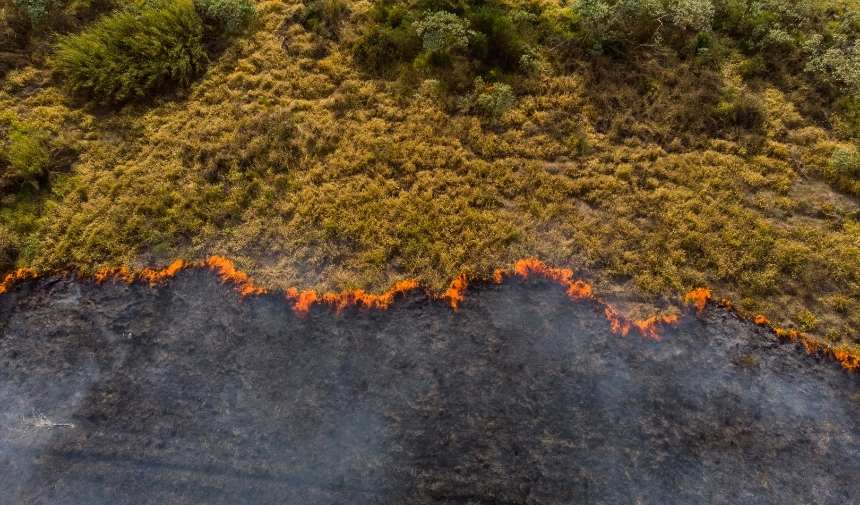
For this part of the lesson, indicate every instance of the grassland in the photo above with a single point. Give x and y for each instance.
(310, 171)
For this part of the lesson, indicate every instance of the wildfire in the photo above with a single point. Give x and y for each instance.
(22, 274)
(228, 272)
(154, 277)
(498, 276)
(303, 300)
(577, 290)
(456, 293)
(581, 290)
(699, 297)
(120, 273)
(847, 356)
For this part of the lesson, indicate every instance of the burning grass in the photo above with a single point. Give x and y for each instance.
(847, 356)
(310, 173)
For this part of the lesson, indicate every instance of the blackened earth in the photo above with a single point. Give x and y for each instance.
(185, 394)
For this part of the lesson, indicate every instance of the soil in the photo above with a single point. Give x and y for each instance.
(187, 394)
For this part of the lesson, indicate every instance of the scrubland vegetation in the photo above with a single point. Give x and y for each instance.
(654, 146)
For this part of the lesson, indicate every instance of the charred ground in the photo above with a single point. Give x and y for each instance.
(187, 394)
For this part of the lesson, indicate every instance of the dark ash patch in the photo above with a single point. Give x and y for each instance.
(185, 394)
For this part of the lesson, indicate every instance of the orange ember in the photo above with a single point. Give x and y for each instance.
(698, 297)
(761, 320)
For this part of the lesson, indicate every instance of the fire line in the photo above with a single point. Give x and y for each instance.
(576, 289)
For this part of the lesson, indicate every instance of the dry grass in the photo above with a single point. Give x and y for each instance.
(287, 158)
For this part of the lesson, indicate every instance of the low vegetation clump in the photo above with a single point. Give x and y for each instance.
(621, 25)
(226, 17)
(324, 17)
(456, 41)
(653, 146)
(26, 156)
(36, 12)
(134, 52)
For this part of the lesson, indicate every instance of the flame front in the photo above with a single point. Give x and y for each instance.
(228, 273)
(581, 290)
(456, 293)
(304, 300)
(20, 275)
(845, 355)
(699, 297)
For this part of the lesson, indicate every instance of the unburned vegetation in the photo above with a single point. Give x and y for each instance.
(654, 147)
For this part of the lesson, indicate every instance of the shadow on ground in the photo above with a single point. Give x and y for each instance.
(184, 394)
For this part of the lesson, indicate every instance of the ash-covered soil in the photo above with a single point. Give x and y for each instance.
(184, 394)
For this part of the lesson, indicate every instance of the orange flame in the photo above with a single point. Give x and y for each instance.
(847, 356)
(649, 327)
(120, 273)
(20, 275)
(581, 290)
(227, 272)
(457, 292)
(154, 277)
(699, 297)
(575, 289)
(498, 276)
(303, 300)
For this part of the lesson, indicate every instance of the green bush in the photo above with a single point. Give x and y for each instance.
(618, 25)
(493, 100)
(27, 156)
(502, 36)
(470, 37)
(8, 250)
(845, 162)
(738, 109)
(133, 53)
(27, 152)
(846, 116)
(39, 16)
(382, 48)
(843, 170)
(227, 17)
(37, 12)
(838, 64)
(443, 32)
(324, 16)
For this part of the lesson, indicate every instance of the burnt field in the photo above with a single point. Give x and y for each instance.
(187, 394)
